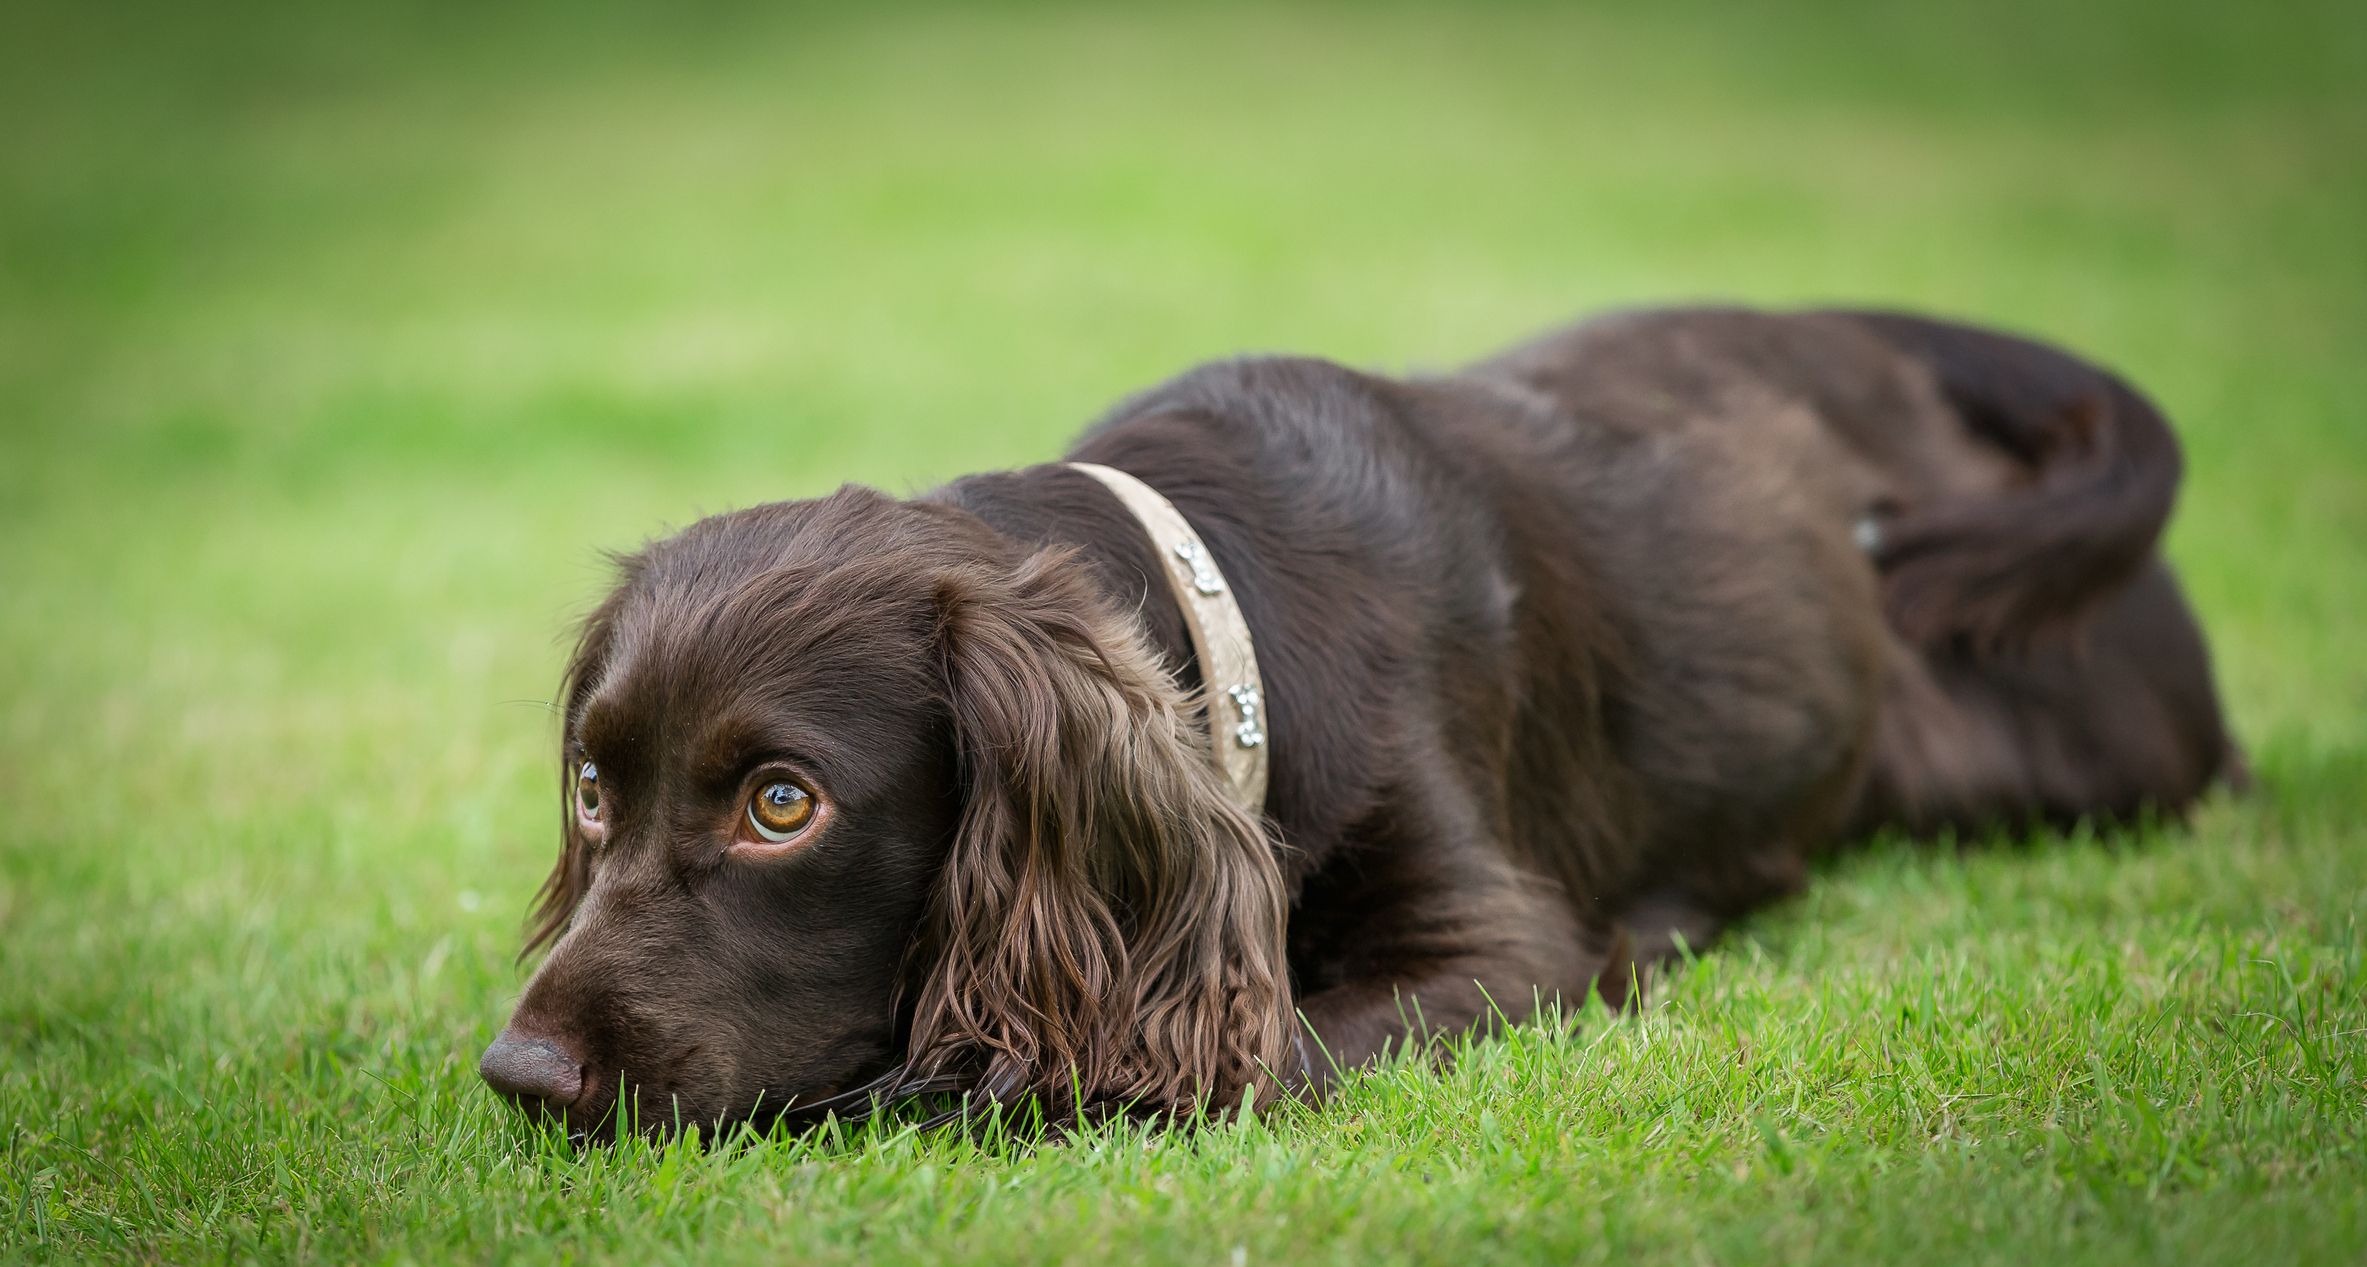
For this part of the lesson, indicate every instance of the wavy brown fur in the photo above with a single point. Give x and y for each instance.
(1107, 920)
(555, 902)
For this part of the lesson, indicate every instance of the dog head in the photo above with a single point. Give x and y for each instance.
(854, 786)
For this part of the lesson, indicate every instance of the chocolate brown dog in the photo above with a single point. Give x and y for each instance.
(1579, 651)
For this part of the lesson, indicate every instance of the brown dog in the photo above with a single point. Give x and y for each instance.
(1579, 651)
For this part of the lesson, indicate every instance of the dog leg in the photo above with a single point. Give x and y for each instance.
(1425, 931)
(1423, 985)
(2123, 721)
(1666, 923)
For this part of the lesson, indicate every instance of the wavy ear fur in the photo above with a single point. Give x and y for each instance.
(555, 902)
(1108, 927)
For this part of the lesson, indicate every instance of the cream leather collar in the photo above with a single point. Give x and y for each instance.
(1236, 704)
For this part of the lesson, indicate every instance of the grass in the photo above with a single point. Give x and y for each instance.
(335, 343)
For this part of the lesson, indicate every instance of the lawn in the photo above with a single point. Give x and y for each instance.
(337, 343)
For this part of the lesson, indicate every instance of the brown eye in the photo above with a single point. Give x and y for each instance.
(780, 810)
(587, 790)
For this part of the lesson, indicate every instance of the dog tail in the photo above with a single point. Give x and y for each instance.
(1994, 572)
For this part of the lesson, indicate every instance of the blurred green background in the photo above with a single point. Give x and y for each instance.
(337, 341)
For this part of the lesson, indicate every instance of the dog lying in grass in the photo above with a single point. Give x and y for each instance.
(1307, 713)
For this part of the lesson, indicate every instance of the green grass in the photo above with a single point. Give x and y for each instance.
(335, 345)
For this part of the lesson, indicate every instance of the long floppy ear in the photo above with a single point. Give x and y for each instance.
(563, 888)
(1108, 925)
(555, 902)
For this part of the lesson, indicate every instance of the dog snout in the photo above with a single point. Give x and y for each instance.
(533, 1071)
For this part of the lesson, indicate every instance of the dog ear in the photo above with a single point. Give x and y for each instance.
(563, 888)
(1108, 926)
(555, 902)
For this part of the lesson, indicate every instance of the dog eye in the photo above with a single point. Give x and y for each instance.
(780, 810)
(587, 791)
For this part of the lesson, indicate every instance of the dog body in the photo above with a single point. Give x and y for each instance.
(1575, 654)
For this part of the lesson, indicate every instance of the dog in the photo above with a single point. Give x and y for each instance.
(1545, 669)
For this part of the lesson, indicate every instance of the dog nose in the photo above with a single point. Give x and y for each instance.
(534, 1072)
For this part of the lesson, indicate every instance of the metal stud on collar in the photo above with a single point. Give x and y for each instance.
(1205, 577)
(1232, 690)
(1249, 703)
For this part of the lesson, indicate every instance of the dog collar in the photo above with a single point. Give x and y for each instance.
(1220, 635)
